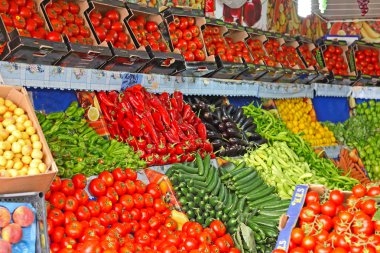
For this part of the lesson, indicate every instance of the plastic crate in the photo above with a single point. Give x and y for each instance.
(37, 200)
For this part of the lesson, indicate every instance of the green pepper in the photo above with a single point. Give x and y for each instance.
(55, 115)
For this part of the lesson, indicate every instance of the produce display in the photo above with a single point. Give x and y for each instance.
(77, 148)
(361, 132)
(65, 18)
(335, 60)
(20, 145)
(256, 48)
(274, 130)
(147, 33)
(24, 16)
(275, 54)
(110, 27)
(299, 116)
(161, 128)
(292, 57)
(126, 216)
(351, 164)
(367, 61)
(235, 195)
(307, 55)
(185, 35)
(237, 49)
(231, 132)
(335, 223)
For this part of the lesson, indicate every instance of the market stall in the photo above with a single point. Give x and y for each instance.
(189, 126)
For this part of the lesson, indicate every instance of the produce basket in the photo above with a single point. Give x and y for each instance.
(37, 200)
(32, 183)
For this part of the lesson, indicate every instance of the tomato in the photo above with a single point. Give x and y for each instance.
(127, 201)
(123, 38)
(298, 250)
(345, 216)
(329, 208)
(57, 234)
(25, 12)
(74, 229)
(189, 56)
(140, 187)
(112, 194)
(308, 242)
(315, 206)
(40, 33)
(131, 186)
(105, 204)
(79, 181)
(73, 8)
(324, 222)
(339, 250)
(4, 6)
(322, 236)
(58, 200)
(353, 201)
(278, 251)
(97, 187)
(81, 196)
(171, 224)
(138, 200)
(222, 244)
(151, 26)
(154, 190)
(118, 173)
(362, 224)
(337, 197)
(113, 15)
(297, 236)
(71, 204)
(376, 225)
(373, 191)
(159, 205)
(19, 22)
(190, 243)
(320, 248)
(83, 213)
(90, 247)
(307, 214)
(218, 227)
(312, 197)
(94, 208)
(69, 217)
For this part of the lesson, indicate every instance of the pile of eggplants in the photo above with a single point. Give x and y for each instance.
(230, 131)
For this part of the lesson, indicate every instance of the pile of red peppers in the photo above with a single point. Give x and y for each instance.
(162, 128)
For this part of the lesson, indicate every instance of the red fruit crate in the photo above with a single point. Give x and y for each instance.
(149, 30)
(197, 62)
(216, 44)
(106, 19)
(27, 36)
(67, 17)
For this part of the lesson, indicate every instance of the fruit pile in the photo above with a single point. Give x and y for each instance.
(292, 57)
(300, 117)
(338, 225)
(185, 36)
(20, 146)
(335, 60)
(258, 52)
(11, 232)
(217, 45)
(65, 18)
(161, 128)
(307, 55)
(23, 15)
(147, 33)
(273, 48)
(237, 49)
(367, 61)
(127, 216)
(109, 27)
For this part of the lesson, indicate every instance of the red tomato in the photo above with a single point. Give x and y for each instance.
(127, 201)
(308, 242)
(315, 206)
(154, 190)
(19, 22)
(297, 236)
(189, 56)
(113, 15)
(118, 173)
(97, 187)
(298, 250)
(312, 197)
(95, 21)
(74, 8)
(79, 181)
(25, 12)
(329, 208)
(58, 234)
(79, 21)
(94, 208)
(151, 26)
(71, 204)
(58, 200)
(324, 222)
(83, 213)
(337, 197)
(107, 178)
(307, 214)
(373, 191)
(4, 6)
(362, 224)
(140, 187)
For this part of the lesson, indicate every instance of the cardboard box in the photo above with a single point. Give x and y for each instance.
(365, 79)
(122, 59)
(165, 63)
(36, 183)
(24, 49)
(192, 68)
(80, 55)
(289, 220)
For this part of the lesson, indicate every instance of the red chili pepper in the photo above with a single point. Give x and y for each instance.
(141, 143)
(140, 114)
(115, 126)
(202, 132)
(120, 116)
(187, 127)
(152, 132)
(164, 97)
(158, 122)
(162, 139)
(103, 98)
(179, 97)
(173, 103)
(150, 118)
(126, 107)
(161, 149)
(170, 137)
(173, 114)
(137, 104)
(150, 148)
(147, 136)
(182, 135)
(105, 112)
(186, 112)
(191, 118)
(113, 96)
(135, 88)
(127, 125)
(111, 130)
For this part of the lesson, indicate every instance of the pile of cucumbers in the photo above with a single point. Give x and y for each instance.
(232, 194)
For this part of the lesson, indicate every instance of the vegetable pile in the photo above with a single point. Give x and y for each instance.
(231, 132)
(361, 131)
(20, 146)
(338, 225)
(273, 129)
(233, 194)
(300, 117)
(163, 129)
(126, 216)
(77, 148)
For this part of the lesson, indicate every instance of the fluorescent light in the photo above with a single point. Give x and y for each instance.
(304, 8)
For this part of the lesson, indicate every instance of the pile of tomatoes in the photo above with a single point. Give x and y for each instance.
(273, 48)
(65, 18)
(335, 61)
(23, 15)
(109, 27)
(338, 225)
(185, 36)
(258, 52)
(307, 55)
(237, 49)
(217, 45)
(367, 60)
(147, 33)
(292, 57)
(126, 216)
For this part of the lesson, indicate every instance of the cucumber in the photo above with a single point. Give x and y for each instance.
(243, 174)
(281, 205)
(270, 199)
(253, 186)
(222, 192)
(201, 168)
(247, 180)
(228, 199)
(185, 168)
(213, 182)
(206, 162)
(260, 194)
